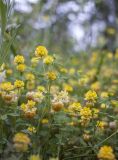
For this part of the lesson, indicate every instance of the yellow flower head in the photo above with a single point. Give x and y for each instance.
(18, 84)
(9, 71)
(31, 103)
(34, 61)
(48, 60)
(41, 51)
(86, 113)
(19, 59)
(32, 129)
(21, 67)
(91, 96)
(63, 70)
(95, 112)
(21, 142)
(72, 71)
(51, 75)
(104, 95)
(21, 138)
(34, 157)
(6, 86)
(30, 76)
(95, 86)
(23, 107)
(100, 124)
(106, 153)
(76, 106)
(41, 88)
(68, 88)
(44, 121)
(29, 109)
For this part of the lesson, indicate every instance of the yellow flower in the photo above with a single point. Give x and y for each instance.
(83, 81)
(53, 159)
(63, 70)
(6, 86)
(101, 124)
(18, 84)
(21, 138)
(9, 71)
(51, 75)
(19, 59)
(103, 105)
(23, 107)
(68, 88)
(21, 67)
(104, 95)
(21, 142)
(29, 76)
(41, 51)
(34, 157)
(44, 121)
(48, 60)
(91, 96)
(31, 103)
(35, 61)
(95, 112)
(38, 96)
(41, 88)
(106, 153)
(95, 86)
(76, 106)
(110, 55)
(86, 113)
(72, 71)
(9, 97)
(29, 109)
(32, 129)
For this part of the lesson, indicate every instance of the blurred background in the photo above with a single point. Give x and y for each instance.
(63, 26)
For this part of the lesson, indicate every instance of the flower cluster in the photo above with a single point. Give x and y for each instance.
(47, 105)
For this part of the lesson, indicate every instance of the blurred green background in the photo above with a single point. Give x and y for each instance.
(63, 26)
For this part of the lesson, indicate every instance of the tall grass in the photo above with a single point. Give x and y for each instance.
(7, 35)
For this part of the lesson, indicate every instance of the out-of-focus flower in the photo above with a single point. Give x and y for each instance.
(106, 153)
(48, 60)
(35, 157)
(34, 61)
(52, 75)
(21, 67)
(18, 84)
(101, 125)
(31, 129)
(61, 97)
(6, 86)
(29, 76)
(29, 109)
(95, 86)
(44, 121)
(104, 95)
(68, 88)
(57, 106)
(21, 142)
(75, 107)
